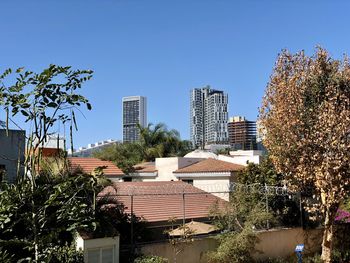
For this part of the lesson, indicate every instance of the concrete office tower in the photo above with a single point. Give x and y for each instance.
(209, 116)
(134, 113)
(242, 133)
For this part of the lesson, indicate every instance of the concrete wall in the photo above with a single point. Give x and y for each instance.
(213, 185)
(242, 157)
(193, 252)
(279, 243)
(12, 149)
(166, 167)
(99, 244)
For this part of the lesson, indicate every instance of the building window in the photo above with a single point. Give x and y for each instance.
(188, 181)
(101, 255)
(2, 172)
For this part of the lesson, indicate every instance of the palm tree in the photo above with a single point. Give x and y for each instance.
(157, 141)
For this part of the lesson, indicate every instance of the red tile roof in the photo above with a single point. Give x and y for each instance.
(146, 167)
(211, 165)
(88, 165)
(160, 201)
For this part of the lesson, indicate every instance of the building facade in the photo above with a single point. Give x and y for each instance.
(12, 148)
(91, 148)
(134, 113)
(242, 133)
(208, 117)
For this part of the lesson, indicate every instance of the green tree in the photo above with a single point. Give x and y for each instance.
(306, 125)
(239, 219)
(48, 204)
(155, 141)
(284, 208)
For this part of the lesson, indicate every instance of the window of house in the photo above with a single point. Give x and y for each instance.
(2, 172)
(188, 181)
(101, 255)
(127, 179)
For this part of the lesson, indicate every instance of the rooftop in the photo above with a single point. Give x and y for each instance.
(146, 167)
(88, 165)
(211, 165)
(160, 201)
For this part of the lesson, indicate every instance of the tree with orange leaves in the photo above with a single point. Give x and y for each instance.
(305, 122)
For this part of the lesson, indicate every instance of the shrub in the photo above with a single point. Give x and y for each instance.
(150, 259)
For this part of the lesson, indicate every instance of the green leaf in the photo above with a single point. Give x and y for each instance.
(24, 113)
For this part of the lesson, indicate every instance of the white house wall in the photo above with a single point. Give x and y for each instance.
(216, 183)
(242, 160)
(166, 167)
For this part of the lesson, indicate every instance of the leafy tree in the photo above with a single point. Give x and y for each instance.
(150, 259)
(285, 209)
(125, 155)
(239, 220)
(46, 206)
(305, 122)
(158, 141)
(155, 141)
(63, 204)
(263, 173)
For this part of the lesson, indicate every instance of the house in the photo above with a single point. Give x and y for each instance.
(89, 165)
(210, 175)
(160, 202)
(12, 148)
(98, 249)
(160, 170)
(242, 157)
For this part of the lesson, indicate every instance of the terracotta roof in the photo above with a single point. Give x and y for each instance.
(160, 201)
(210, 165)
(194, 228)
(146, 167)
(88, 165)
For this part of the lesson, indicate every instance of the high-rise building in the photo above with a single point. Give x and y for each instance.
(134, 113)
(242, 133)
(209, 116)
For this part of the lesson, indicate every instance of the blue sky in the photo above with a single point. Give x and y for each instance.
(162, 49)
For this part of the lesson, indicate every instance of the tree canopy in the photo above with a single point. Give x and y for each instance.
(305, 120)
(155, 141)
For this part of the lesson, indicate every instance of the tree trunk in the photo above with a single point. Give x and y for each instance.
(327, 241)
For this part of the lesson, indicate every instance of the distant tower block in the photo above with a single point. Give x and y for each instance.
(134, 113)
(242, 133)
(208, 117)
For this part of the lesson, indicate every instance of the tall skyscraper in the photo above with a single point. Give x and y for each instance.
(134, 113)
(209, 116)
(242, 133)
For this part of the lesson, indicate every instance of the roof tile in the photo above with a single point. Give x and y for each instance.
(160, 201)
(88, 165)
(211, 165)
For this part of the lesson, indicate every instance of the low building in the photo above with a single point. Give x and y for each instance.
(163, 204)
(89, 165)
(12, 149)
(210, 175)
(242, 157)
(161, 170)
(91, 148)
(98, 249)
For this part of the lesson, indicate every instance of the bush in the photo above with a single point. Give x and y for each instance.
(150, 259)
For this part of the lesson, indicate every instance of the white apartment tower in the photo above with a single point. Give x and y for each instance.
(209, 117)
(134, 113)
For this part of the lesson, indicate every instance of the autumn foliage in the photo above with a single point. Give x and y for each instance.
(305, 121)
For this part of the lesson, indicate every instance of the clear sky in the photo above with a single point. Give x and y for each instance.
(162, 49)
